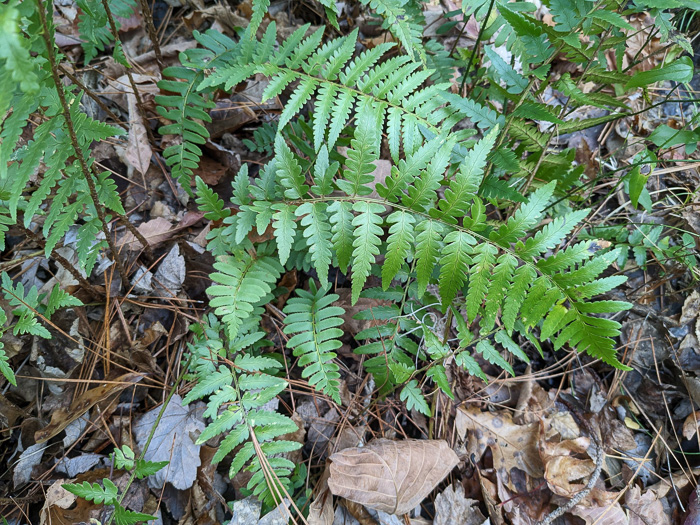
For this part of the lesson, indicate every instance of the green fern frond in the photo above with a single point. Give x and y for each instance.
(93, 24)
(366, 243)
(315, 325)
(238, 395)
(186, 109)
(5, 369)
(242, 283)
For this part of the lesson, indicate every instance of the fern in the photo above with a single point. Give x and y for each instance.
(430, 231)
(108, 493)
(93, 25)
(185, 109)
(315, 325)
(237, 398)
(243, 283)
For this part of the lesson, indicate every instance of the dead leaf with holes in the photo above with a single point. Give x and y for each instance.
(103, 394)
(512, 446)
(391, 476)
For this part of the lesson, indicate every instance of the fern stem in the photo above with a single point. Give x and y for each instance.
(139, 104)
(152, 34)
(94, 97)
(476, 46)
(65, 263)
(171, 393)
(46, 34)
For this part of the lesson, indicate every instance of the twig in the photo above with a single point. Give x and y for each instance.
(600, 456)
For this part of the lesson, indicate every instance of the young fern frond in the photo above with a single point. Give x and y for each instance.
(186, 108)
(243, 283)
(314, 323)
(237, 398)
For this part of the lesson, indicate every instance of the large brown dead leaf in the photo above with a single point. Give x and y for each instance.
(646, 508)
(567, 466)
(391, 476)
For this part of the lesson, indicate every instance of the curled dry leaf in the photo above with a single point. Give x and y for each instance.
(61, 418)
(566, 463)
(391, 476)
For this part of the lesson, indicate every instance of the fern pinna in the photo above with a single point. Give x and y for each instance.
(315, 324)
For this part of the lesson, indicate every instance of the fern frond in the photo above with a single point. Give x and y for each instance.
(317, 232)
(186, 109)
(243, 282)
(484, 257)
(396, 20)
(456, 261)
(525, 218)
(428, 242)
(315, 324)
(5, 369)
(467, 181)
(398, 244)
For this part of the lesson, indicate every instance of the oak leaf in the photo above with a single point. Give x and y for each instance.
(391, 476)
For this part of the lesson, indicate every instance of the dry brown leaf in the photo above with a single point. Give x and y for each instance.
(138, 151)
(62, 417)
(57, 507)
(690, 425)
(490, 493)
(693, 515)
(321, 509)
(605, 514)
(391, 476)
(645, 508)
(565, 461)
(452, 506)
(155, 231)
(512, 445)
